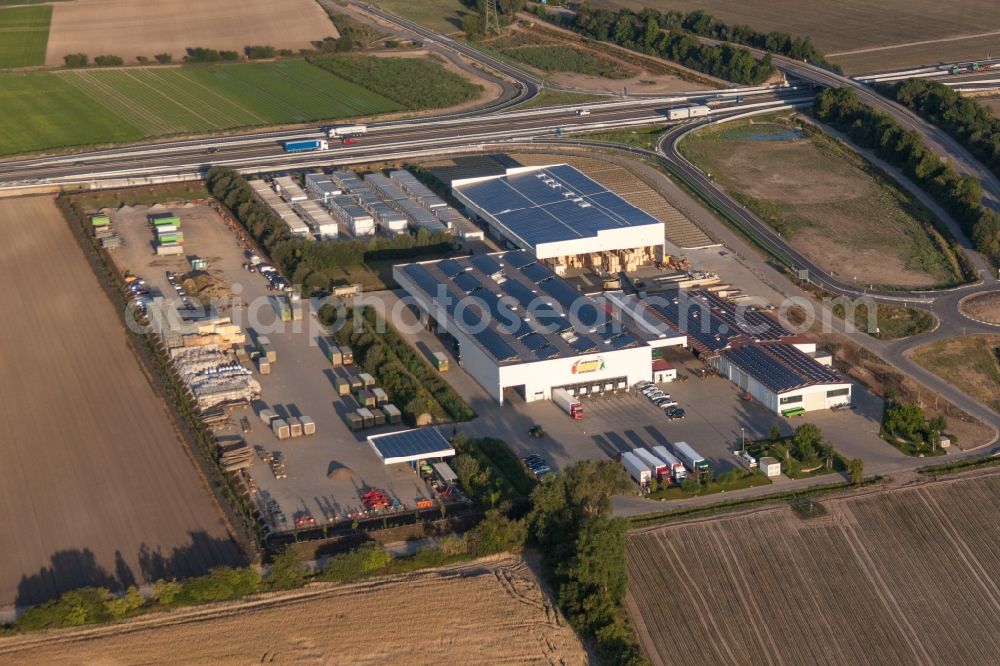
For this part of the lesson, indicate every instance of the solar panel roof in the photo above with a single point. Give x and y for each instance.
(780, 367)
(553, 204)
(408, 445)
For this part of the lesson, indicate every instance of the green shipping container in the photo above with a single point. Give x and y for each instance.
(99, 220)
(171, 238)
(354, 421)
(343, 387)
(160, 221)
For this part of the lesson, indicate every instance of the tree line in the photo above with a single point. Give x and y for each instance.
(666, 35)
(304, 261)
(959, 195)
(962, 117)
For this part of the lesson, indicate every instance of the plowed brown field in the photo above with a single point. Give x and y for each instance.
(482, 613)
(129, 28)
(96, 487)
(894, 577)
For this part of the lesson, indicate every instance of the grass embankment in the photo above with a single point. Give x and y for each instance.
(739, 479)
(142, 196)
(639, 137)
(444, 16)
(830, 203)
(549, 97)
(969, 363)
(24, 33)
(892, 322)
(553, 56)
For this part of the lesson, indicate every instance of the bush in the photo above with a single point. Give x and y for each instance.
(87, 605)
(164, 58)
(256, 52)
(229, 55)
(109, 61)
(428, 84)
(287, 570)
(495, 534)
(76, 60)
(354, 565)
(201, 54)
(491, 475)
(142, 60)
(220, 584)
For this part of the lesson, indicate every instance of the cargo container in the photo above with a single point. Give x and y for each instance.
(167, 239)
(343, 387)
(333, 353)
(367, 416)
(354, 421)
(367, 379)
(294, 426)
(568, 403)
(308, 425)
(379, 417)
(356, 383)
(161, 219)
(640, 472)
(165, 229)
(691, 458)
(341, 131)
(659, 467)
(306, 145)
(366, 398)
(676, 466)
(440, 362)
(268, 415)
(392, 413)
(263, 365)
(280, 428)
(347, 355)
(381, 397)
(100, 220)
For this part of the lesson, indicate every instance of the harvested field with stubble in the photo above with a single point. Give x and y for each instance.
(922, 32)
(127, 28)
(897, 576)
(97, 488)
(486, 612)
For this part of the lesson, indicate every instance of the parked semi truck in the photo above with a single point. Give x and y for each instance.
(659, 467)
(341, 131)
(306, 145)
(684, 112)
(640, 472)
(677, 470)
(568, 403)
(691, 458)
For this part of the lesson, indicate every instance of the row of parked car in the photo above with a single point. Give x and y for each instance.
(537, 465)
(662, 400)
(175, 283)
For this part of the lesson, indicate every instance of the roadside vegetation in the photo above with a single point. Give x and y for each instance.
(959, 195)
(414, 386)
(829, 202)
(308, 262)
(550, 97)
(667, 36)
(492, 476)
(639, 137)
(970, 363)
(905, 426)
(734, 479)
(802, 455)
(892, 322)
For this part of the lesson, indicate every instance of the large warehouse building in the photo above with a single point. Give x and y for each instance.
(563, 217)
(520, 327)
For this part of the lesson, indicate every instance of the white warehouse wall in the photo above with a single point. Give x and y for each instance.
(538, 377)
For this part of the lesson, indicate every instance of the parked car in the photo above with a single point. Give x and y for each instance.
(675, 413)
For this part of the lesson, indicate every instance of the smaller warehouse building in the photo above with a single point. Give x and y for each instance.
(410, 446)
(782, 378)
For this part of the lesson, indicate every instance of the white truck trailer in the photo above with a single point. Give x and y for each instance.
(568, 403)
(660, 467)
(685, 112)
(640, 471)
(677, 470)
(691, 458)
(341, 131)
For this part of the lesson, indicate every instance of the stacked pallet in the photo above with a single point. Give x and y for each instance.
(234, 456)
(213, 377)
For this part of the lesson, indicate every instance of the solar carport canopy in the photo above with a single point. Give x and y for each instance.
(410, 445)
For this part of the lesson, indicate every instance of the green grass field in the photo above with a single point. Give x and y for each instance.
(24, 32)
(445, 16)
(86, 107)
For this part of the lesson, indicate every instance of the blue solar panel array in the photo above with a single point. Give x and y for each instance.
(765, 368)
(409, 443)
(523, 323)
(553, 204)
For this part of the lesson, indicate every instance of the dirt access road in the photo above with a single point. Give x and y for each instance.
(486, 612)
(127, 28)
(96, 488)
